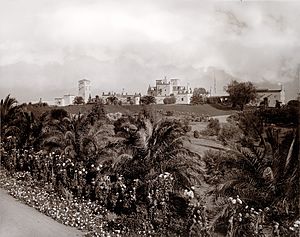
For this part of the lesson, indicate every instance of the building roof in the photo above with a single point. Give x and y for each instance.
(82, 80)
(69, 95)
(268, 90)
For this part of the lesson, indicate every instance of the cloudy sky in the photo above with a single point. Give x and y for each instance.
(46, 46)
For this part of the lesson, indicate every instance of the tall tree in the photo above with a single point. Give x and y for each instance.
(16, 121)
(241, 93)
(199, 95)
(8, 108)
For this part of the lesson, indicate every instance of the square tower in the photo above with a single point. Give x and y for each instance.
(84, 89)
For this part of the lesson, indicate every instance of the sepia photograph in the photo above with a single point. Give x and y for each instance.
(161, 118)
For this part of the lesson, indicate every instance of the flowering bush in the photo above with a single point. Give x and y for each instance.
(80, 213)
(114, 116)
(239, 219)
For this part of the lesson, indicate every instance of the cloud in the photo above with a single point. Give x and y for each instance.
(128, 44)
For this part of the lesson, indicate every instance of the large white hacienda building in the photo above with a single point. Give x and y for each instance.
(164, 88)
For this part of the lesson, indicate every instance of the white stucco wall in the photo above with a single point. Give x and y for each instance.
(164, 90)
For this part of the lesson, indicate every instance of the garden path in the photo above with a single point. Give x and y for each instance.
(20, 220)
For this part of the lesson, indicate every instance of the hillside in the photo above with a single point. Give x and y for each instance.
(204, 109)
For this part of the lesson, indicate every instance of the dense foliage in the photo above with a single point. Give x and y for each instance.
(170, 100)
(262, 169)
(78, 100)
(135, 175)
(199, 96)
(148, 99)
(241, 93)
(133, 166)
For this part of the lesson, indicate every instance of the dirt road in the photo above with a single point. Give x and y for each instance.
(20, 220)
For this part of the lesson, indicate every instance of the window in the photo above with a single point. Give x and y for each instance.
(181, 99)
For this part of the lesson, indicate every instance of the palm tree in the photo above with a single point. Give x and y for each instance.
(75, 136)
(146, 152)
(158, 148)
(16, 121)
(264, 176)
(7, 109)
(54, 126)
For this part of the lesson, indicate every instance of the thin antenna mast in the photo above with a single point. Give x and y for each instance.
(215, 83)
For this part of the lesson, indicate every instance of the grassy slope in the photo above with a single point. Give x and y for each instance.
(205, 109)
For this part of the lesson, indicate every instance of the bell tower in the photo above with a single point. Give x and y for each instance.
(84, 89)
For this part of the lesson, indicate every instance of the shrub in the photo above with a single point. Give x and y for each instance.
(229, 133)
(169, 113)
(216, 171)
(170, 100)
(213, 128)
(196, 134)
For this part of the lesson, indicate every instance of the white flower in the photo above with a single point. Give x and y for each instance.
(233, 201)
(191, 194)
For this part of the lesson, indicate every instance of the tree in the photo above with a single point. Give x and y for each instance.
(241, 93)
(148, 99)
(99, 100)
(170, 100)
(160, 148)
(151, 153)
(55, 124)
(16, 121)
(112, 100)
(262, 170)
(8, 108)
(78, 100)
(199, 95)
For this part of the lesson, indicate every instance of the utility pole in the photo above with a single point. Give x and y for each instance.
(298, 75)
(215, 83)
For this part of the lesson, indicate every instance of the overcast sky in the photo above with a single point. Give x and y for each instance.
(46, 46)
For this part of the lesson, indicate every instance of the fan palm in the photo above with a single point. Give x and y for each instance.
(265, 177)
(155, 149)
(54, 126)
(8, 108)
(16, 121)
